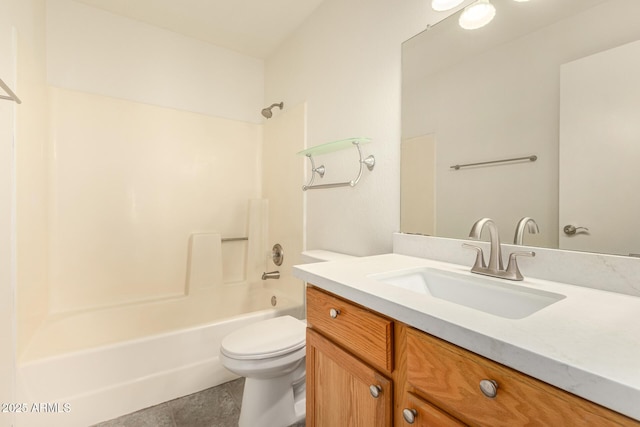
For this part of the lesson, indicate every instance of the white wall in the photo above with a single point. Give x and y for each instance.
(344, 61)
(96, 51)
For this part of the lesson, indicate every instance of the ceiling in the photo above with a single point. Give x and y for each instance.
(252, 27)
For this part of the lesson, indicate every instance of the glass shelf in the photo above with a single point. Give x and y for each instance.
(330, 147)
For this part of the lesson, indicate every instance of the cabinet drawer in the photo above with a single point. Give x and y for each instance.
(364, 333)
(449, 377)
(426, 415)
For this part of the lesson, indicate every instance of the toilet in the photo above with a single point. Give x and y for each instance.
(270, 354)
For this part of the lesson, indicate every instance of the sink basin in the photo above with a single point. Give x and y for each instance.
(508, 300)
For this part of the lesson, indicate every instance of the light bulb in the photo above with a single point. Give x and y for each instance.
(442, 5)
(477, 15)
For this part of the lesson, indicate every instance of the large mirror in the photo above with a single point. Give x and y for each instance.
(552, 83)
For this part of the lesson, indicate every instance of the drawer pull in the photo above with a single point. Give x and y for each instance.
(375, 390)
(409, 415)
(489, 388)
(334, 313)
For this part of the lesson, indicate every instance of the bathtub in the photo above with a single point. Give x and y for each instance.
(111, 377)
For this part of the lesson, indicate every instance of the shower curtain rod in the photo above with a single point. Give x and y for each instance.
(12, 96)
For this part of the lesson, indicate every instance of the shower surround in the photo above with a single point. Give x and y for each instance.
(143, 285)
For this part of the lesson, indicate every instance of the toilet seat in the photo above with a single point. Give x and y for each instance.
(265, 339)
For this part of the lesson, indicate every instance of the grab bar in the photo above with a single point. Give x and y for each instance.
(531, 158)
(233, 239)
(12, 96)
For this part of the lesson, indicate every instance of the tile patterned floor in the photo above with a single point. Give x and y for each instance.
(215, 407)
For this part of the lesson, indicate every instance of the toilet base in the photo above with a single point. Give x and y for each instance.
(275, 402)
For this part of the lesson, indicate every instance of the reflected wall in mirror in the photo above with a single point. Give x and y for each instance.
(554, 79)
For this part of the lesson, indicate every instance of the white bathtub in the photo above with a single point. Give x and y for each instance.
(107, 381)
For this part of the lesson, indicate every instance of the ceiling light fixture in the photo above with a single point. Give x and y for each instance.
(442, 5)
(477, 15)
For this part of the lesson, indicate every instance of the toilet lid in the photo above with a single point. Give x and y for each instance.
(266, 338)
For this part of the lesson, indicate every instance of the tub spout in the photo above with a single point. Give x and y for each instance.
(271, 275)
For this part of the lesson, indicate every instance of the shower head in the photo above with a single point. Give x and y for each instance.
(266, 112)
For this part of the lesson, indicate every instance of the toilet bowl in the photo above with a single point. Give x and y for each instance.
(270, 354)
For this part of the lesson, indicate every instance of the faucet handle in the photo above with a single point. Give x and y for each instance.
(479, 257)
(512, 266)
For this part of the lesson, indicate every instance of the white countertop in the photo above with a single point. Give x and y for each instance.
(587, 344)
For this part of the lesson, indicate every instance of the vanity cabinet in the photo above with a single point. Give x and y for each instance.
(354, 354)
(347, 387)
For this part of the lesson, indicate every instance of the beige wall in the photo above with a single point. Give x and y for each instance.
(282, 179)
(418, 185)
(31, 126)
(128, 184)
(7, 251)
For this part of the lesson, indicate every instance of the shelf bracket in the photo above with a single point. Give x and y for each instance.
(369, 162)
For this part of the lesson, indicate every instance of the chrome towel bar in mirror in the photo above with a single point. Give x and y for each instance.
(515, 159)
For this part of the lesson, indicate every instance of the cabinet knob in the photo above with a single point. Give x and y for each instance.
(489, 388)
(409, 415)
(334, 313)
(375, 390)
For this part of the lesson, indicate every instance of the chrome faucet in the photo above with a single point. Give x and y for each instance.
(495, 267)
(528, 223)
(271, 275)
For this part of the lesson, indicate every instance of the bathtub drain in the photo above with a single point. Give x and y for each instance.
(274, 301)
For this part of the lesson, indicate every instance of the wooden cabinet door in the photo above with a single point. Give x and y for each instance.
(338, 388)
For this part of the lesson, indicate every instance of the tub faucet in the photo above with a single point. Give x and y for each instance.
(271, 275)
(528, 223)
(495, 267)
